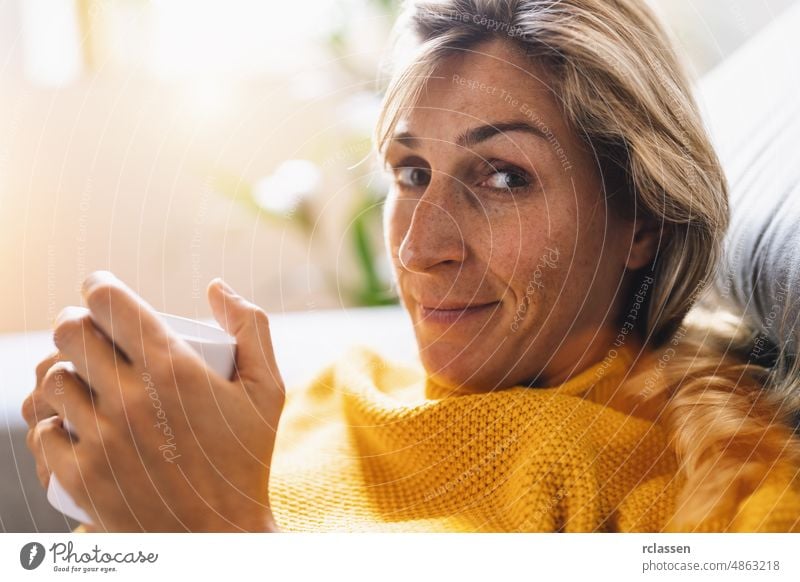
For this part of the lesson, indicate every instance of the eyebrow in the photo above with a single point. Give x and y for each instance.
(476, 135)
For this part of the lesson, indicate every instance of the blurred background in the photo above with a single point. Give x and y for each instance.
(173, 141)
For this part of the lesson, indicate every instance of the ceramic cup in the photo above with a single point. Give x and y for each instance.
(217, 349)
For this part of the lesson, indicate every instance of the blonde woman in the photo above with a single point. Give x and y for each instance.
(557, 211)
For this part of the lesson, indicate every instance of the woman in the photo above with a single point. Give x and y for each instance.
(557, 211)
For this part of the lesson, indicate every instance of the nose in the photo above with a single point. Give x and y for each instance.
(434, 235)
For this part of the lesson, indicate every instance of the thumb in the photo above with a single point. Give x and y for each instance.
(249, 324)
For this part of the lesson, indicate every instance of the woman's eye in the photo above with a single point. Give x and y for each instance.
(413, 177)
(507, 180)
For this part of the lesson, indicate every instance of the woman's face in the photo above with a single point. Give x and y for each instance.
(506, 257)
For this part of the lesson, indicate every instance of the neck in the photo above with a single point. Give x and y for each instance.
(577, 356)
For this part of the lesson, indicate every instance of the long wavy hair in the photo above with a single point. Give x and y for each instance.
(727, 404)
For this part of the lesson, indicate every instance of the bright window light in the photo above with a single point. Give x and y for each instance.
(234, 37)
(51, 41)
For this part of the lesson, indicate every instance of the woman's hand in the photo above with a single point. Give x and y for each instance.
(163, 442)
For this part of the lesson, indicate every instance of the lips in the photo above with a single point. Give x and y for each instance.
(454, 306)
(450, 313)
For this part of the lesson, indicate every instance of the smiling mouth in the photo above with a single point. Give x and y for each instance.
(451, 315)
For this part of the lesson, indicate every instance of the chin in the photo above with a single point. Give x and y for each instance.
(452, 368)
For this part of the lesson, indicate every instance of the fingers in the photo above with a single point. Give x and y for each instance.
(122, 315)
(96, 360)
(34, 446)
(51, 447)
(42, 472)
(35, 407)
(255, 357)
(66, 393)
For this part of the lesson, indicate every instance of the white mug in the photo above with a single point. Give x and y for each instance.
(217, 349)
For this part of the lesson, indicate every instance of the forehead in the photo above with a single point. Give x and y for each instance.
(491, 82)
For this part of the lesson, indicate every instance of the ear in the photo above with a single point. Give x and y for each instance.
(647, 235)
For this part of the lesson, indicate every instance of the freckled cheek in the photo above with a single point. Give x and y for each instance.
(597, 243)
(517, 258)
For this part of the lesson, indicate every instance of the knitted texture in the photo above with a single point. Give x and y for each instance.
(370, 445)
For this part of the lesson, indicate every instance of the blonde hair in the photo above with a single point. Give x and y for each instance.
(624, 91)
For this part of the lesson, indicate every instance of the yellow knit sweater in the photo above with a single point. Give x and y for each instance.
(371, 445)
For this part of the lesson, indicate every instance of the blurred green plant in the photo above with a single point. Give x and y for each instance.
(286, 197)
(374, 289)
(366, 224)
